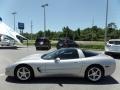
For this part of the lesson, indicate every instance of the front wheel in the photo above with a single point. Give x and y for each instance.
(94, 74)
(23, 73)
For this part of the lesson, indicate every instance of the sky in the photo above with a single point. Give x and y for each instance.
(59, 13)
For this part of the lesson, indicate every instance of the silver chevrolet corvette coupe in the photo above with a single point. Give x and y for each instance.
(63, 62)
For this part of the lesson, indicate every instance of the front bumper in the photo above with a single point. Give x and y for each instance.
(9, 71)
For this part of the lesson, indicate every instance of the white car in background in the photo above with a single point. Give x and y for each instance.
(113, 46)
(6, 41)
(65, 61)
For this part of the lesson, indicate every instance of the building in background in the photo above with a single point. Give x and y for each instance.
(8, 36)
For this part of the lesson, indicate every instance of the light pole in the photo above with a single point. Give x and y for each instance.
(14, 13)
(31, 29)
(106, 22)
(92, 27)
(44, 18)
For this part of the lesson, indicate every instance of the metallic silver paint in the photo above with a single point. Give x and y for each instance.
(75, 67)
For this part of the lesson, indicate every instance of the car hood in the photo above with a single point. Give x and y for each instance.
(30, 59)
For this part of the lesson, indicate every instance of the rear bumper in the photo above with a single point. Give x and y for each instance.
(109, 70)
(42, 46)
(112, 49)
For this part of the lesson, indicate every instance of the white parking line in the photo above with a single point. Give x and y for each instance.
(2, 74)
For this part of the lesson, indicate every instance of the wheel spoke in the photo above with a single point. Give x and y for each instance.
(22, 76)
(94, 77)
(90, 75)
(28, 72)
(97, 71)
(25, 77)
(97, 75)
(23, 69)
(92, 70)
(20, 72)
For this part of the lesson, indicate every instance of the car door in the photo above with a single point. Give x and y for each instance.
(67, 62)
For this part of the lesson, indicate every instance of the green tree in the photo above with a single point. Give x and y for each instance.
(40, 34)
(112, 30)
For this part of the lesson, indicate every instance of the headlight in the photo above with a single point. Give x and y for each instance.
(10, 70)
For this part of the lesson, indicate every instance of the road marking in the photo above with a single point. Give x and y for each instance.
(2, 74)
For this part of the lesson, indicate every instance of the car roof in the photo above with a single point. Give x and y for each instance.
(114, 40)
(81, 54)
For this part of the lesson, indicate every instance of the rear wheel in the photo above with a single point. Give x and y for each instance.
(94, 74)
(37, 48)
(23, 73)
(49, 47)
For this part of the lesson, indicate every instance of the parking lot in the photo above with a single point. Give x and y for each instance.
(9, 56)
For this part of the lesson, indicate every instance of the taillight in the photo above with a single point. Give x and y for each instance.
(108, 45)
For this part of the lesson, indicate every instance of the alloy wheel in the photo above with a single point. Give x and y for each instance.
(23, 73)
(94, 74)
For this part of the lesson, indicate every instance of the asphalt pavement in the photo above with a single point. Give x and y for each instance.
(9, 56)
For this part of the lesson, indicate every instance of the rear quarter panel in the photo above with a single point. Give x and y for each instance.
(102, 60)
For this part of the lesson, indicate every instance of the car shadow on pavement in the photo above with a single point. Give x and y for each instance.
(42, 49)
(9, 47)
(12, 47)
(64, 80)
(114, 55)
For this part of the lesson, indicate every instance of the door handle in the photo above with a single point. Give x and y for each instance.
(76, 62)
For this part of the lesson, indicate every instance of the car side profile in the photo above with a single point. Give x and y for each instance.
(6, 41)
(63, 62)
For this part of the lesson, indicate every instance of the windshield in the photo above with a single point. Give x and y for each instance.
(63, 54)
(51, 55)
(115, 42)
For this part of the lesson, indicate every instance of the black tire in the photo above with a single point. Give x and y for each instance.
(94, 76)
(29, 75)
(49, 47)
(37, 48)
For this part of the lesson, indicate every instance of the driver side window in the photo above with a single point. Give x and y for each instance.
(68, 54)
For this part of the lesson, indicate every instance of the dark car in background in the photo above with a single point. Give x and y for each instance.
(66, 43)
(42, 43)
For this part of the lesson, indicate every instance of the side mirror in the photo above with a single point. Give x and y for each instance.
(57, 60)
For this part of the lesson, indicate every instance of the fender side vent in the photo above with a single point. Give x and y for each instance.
(107, 66)
(38, 69)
